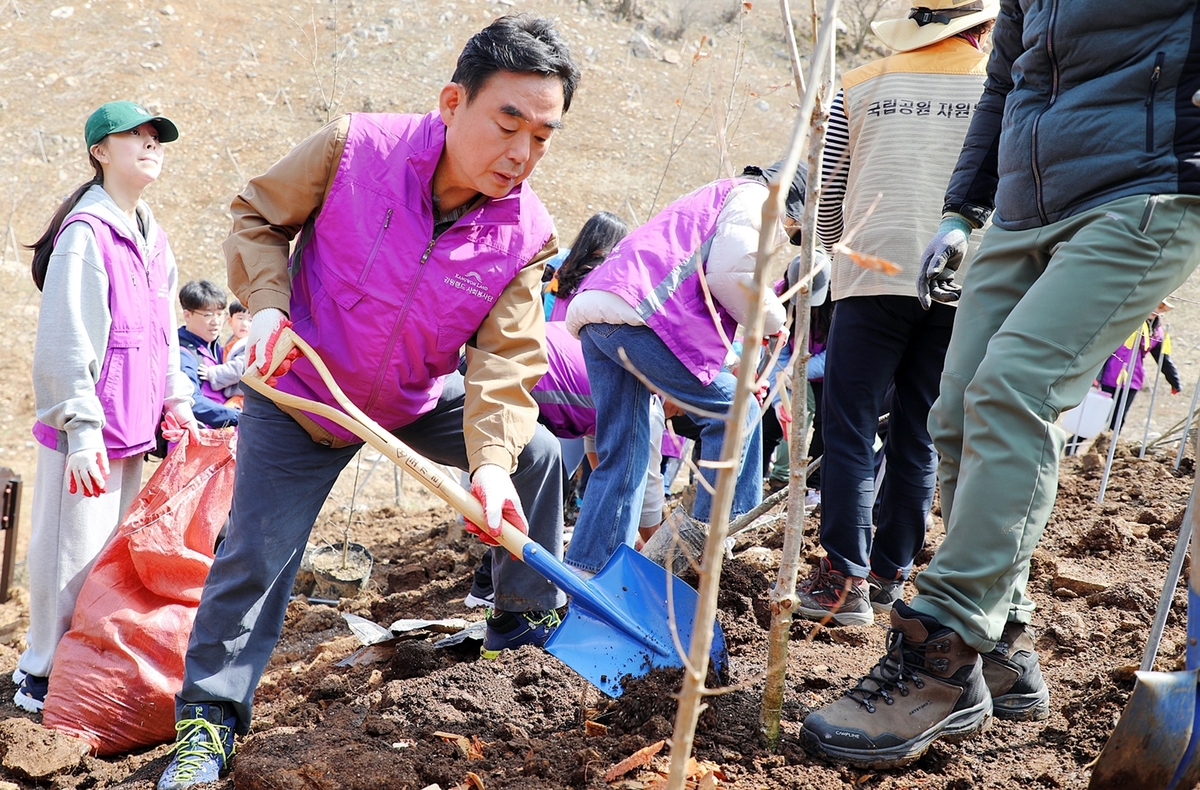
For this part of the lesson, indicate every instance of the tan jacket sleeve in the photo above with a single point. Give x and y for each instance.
(272, 210)
(505, 359)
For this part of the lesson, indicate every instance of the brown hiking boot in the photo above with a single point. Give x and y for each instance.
(928, 685)
(1014, 677)
(831, 596)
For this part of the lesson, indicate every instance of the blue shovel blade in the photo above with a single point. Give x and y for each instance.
(619, 623)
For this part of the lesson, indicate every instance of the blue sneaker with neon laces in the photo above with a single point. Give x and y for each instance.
(203, 746)
(510, 630)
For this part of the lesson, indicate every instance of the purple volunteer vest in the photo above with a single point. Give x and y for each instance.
(133, 375)
(1126, 360)
(385, 304)
(563, 395)
(656, 269)
(205, 357)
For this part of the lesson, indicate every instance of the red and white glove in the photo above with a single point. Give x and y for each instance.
(265, 329)
(493, 487)
(88, 472)
(179, 420)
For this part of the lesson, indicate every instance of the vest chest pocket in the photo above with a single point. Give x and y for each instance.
(345, 295)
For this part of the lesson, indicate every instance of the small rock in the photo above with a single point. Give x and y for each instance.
(62, 12)
(759, 557)
(36, 753)
(1078, 579)
(641, 47)
(1123, 674)
(167, 10)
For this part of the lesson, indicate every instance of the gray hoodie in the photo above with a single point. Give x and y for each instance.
(74, 322)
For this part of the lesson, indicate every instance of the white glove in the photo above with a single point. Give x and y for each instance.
(179, 420)
(88, 472)
(493, 487)
(941, 259)
(264, 332)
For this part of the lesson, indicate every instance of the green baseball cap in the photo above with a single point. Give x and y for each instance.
(121, 116)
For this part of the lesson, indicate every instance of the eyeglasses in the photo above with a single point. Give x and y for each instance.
(208, 316)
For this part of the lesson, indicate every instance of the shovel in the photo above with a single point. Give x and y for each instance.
(1154, 744)
(628, 619)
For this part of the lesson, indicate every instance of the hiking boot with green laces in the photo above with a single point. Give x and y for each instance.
(203, 746)
(510, 630)
(929, 685)
(1014, 677)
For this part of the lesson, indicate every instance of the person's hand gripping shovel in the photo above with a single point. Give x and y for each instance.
(629, 618)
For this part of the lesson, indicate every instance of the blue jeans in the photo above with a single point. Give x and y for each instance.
(613, 504)
(874, 341)
(282, 479)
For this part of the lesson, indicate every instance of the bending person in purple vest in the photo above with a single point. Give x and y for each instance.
(417, 237)
(567, 409)
(203, 306)
(105, 366)
(647, 299)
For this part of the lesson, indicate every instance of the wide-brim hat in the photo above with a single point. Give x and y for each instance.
(121, 116)
(929, 24)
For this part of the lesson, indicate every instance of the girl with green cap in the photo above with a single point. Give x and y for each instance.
(105, 368)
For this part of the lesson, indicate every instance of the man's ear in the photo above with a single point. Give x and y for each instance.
(451, 99)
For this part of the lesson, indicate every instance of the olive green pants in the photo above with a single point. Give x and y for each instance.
(1040, 311)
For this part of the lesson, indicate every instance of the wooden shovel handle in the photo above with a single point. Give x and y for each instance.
(356, 421)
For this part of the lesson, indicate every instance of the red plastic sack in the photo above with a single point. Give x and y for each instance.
(118, 668)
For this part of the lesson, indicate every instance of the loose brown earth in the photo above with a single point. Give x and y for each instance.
(243, 85)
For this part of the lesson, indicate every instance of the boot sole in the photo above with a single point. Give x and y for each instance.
(28, 703)
(955, 728)
(837, 618)
(882, 609)
(1034, 706)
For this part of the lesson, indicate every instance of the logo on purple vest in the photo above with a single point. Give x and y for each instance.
(472, 283)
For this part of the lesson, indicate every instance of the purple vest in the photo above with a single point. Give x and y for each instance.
(563, 395)
(205, 357)
(656, 270)
(1119, 360)
(134, 372)
(385, 304)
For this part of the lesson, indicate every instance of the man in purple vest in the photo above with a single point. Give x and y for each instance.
(417, 236)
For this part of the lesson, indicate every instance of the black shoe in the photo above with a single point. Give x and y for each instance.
(1014, 677)
(928, 685)
(510, 630)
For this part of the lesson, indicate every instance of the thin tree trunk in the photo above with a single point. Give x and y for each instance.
(783, 595)
(696, 667)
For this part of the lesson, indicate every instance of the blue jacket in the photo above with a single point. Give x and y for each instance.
(1086, 101)
(209, 412)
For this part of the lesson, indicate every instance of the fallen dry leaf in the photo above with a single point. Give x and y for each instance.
(635, 760)
(872, 262)
(474, 780)
(475, 752)
(595, 728)
(461, 741)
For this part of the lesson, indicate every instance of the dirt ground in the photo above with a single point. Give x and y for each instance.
(668, 101)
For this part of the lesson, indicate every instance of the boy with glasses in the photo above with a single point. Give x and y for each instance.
(203, 314)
